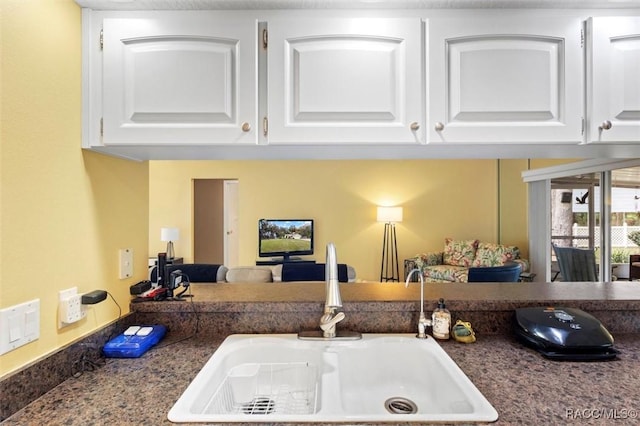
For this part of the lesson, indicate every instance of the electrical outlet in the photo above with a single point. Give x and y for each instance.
(70, 308)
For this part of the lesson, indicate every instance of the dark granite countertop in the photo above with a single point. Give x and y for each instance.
(524, 387)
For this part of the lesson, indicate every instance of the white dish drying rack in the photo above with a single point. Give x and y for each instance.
(257, 388)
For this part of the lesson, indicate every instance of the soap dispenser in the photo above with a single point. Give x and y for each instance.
(441, 321)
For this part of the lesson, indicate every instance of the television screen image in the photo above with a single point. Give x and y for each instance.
(285, 237)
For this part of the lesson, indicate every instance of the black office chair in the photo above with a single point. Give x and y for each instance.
(576, 264)
(507, 273)
(292, 271)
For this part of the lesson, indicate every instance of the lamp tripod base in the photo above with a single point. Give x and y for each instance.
(389, 269)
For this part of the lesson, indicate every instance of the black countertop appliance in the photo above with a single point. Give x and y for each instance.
(561, 333)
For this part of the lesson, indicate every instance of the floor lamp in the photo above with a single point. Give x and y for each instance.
(389, 270)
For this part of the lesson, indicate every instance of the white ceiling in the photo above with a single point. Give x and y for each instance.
(349, 4)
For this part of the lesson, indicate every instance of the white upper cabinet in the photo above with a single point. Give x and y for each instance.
(345, 81)
(368, 84)
(505, 80)
(178, 79)
(613, 70)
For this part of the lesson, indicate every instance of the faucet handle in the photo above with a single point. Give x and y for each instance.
(328, 323)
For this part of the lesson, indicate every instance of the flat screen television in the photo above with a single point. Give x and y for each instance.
(285, 237)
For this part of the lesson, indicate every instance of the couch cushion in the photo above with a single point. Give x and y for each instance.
(199, 272)
(490, 254)
(249, 274)
(459, 252)
(445, 273)
(292, 271)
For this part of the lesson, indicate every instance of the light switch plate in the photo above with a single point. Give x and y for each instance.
(19, 325)
(126, 263)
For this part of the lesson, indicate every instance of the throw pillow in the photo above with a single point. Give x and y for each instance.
(459, 253)
(433, 258)
(489, 254)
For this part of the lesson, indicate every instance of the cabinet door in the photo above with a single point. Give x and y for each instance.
(345, 80)
(501, 80)
(613, 70)
(179, 79)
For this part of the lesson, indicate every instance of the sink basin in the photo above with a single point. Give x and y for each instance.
(381, 378)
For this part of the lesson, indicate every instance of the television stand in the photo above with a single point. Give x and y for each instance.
(281, 260)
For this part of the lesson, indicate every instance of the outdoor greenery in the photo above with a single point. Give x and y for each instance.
(620, 256)
(617, 218)
(635, 237)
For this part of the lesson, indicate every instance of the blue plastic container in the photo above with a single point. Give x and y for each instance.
(134, 341)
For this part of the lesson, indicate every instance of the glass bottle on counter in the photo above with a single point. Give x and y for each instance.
(441, 321)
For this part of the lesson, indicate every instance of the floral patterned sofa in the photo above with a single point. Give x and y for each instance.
(453, 263)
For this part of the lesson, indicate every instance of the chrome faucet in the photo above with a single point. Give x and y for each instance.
(333, 300)
(423, 322)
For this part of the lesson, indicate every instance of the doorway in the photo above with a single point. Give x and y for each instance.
(215, 218)
(574, 222)
(602, 202)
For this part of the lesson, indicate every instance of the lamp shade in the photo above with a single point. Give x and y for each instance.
(389, 214)
(169, 234)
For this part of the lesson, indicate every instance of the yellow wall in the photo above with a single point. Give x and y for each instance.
(456, 198)
(64, 213)
(513, 206)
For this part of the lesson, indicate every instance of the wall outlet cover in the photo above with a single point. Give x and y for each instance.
(70, 308)
(126, 263)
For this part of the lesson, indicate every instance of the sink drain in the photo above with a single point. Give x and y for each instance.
(399, 405)
(259, 406)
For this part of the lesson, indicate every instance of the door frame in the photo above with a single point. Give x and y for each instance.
(230, 237)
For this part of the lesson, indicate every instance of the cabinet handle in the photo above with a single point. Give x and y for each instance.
(606, 125)
(415, 126)
(246, 127)
(439, 127)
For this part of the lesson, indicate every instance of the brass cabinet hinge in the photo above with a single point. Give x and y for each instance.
(101, 126)
(265, 126)
(101, 39)
(265, 39)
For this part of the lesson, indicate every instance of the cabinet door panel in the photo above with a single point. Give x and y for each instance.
(336, 81)
(505, 81)
(179, 81)
(614, 72)
(202, 93)
(322, 68)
